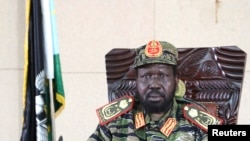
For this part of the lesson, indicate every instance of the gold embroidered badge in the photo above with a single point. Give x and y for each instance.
(153, 49)
(168, 126)
(114, 109)
(199, 117)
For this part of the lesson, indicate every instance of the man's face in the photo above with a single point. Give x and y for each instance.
(156, 85)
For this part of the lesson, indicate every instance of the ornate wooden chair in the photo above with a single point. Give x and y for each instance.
(212, 75)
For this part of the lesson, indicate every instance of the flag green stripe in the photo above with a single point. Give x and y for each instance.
(58, 74)
(58, 86)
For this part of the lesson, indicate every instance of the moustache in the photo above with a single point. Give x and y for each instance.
(154, 92)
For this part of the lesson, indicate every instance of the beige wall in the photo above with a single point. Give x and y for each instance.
(89, 29)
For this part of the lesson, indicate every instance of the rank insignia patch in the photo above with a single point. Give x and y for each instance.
(168, 126)
(199, 117)
(114, 109)
(139, 120)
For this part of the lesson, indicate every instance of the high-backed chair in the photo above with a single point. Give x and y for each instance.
(213, 76)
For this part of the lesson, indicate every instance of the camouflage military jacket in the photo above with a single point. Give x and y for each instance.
(124, 127)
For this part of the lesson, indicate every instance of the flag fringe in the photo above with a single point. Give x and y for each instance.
(26, 49)
(60, 99)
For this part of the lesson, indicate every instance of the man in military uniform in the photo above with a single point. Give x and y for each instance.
(158, 112)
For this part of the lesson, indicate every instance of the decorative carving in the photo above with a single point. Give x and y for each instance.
(124, 87)
(118, 63)
(209, 90)
(211, 75)
(209, 68)
(190, 67)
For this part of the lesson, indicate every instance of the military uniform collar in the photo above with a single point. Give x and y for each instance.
(166, 124)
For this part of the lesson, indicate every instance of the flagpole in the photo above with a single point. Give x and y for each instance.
(49, 61)
(52, 110)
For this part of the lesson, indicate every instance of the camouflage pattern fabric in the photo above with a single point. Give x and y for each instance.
(123, 128)
(156, 52)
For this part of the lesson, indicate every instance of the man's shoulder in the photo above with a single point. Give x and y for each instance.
(116, 109)
(197, 113)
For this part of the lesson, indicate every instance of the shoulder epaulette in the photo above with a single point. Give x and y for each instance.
(199, 117)
(114, 109)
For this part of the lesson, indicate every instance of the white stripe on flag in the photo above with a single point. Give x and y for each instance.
(54, 29)
(49, 62)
